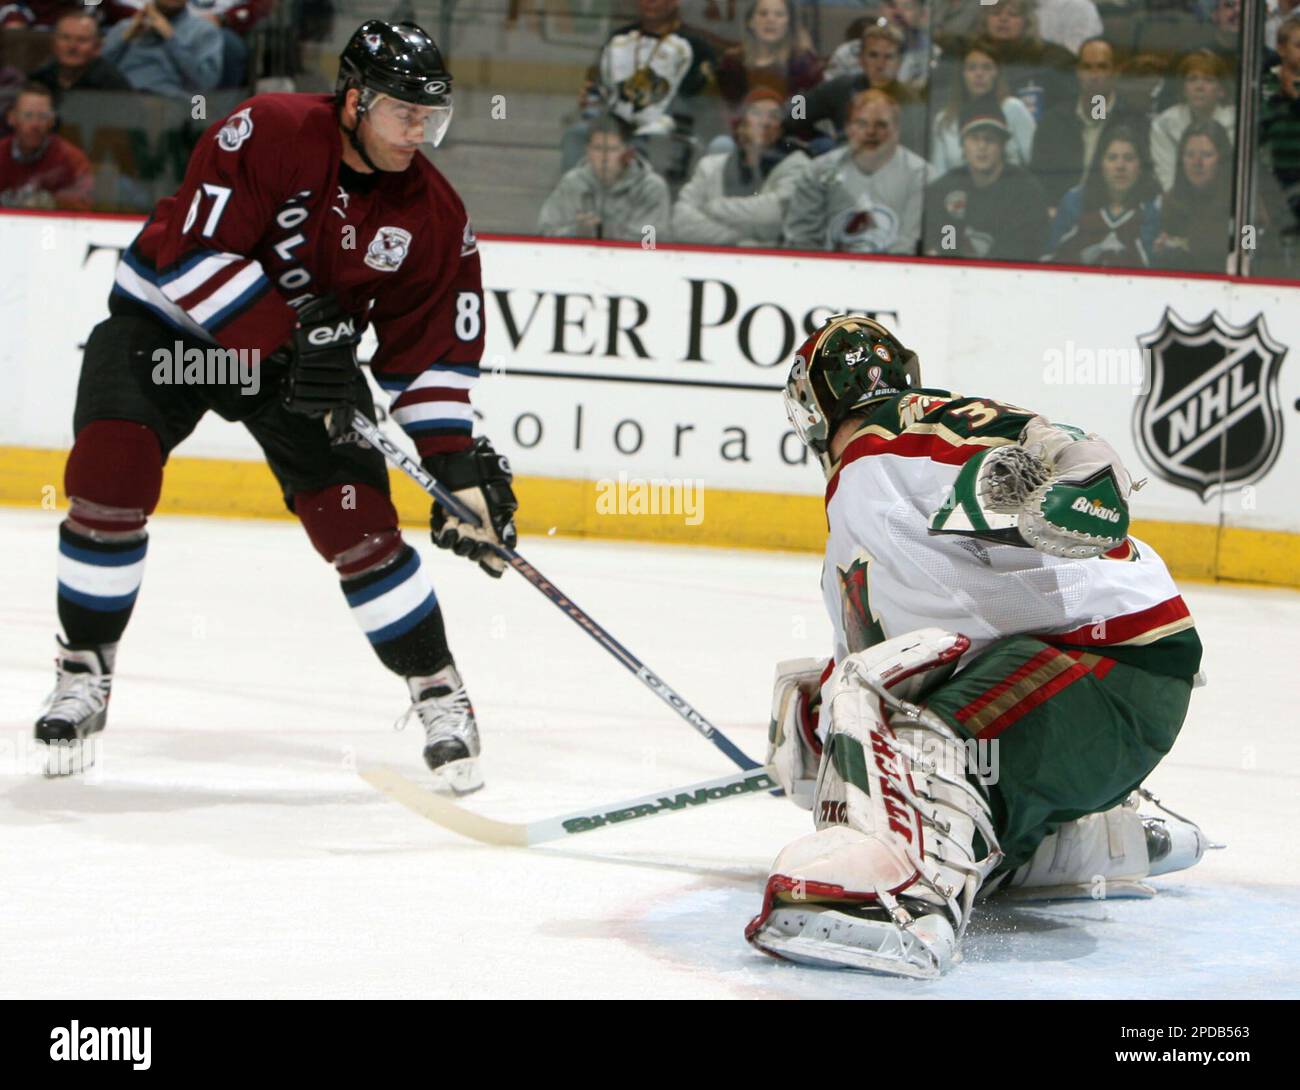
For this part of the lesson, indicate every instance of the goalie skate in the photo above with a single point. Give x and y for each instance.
(76, 710)
(451, 746)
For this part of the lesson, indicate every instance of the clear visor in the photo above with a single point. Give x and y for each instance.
(408, 123)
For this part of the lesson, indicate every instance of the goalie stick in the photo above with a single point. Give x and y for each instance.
(665, 692)
(446, 813)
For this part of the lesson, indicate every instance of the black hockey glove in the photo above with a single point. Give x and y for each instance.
(480, 479)
(322, 363)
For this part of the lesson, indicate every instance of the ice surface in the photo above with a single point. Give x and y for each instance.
(226, 847)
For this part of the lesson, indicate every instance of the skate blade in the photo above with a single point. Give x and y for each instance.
(63, 759)
(832, 940)
(462, 777)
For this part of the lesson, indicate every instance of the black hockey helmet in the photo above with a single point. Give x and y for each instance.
(843, 367)
(399, 60)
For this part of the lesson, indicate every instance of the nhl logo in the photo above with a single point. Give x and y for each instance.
(1209, 419)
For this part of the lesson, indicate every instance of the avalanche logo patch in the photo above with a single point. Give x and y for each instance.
(468, 241)
(1209, 419)
(388, 249)
(237, 129)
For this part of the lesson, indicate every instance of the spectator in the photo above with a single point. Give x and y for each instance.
(612, 195)
(38, 168)
(1195, 215)
(1141, 84)
(980, 76)
(910, 19)
(234, 18)
(1279, 11)
(1068, 23)
(988, 207)
(643, 71)
(864, 198)
(776, 53)
(827, 107)
(1113, 217)
(1037, 72)
(39, 14)
(1279, 133)
(76, 64)
(166, 50)
(1068, 135)
(1204, 92)
(739, 198)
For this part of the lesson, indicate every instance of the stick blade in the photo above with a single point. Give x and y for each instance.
(444, 812)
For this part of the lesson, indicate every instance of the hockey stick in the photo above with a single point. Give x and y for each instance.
(442, 811)
(665, 692)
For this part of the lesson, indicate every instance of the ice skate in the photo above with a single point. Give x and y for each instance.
(75, 712)
(1106, 856)
(451, 746)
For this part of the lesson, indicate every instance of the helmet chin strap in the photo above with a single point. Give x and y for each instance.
(355, 140)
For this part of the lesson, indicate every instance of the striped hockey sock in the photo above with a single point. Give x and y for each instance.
(399, 613)
(98, 584)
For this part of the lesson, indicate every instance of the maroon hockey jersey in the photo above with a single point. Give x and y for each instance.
(268, 216)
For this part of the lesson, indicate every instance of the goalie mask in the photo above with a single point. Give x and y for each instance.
(405, 86)
(847, 364)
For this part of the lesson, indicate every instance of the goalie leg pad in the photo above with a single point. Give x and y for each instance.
(903, 842)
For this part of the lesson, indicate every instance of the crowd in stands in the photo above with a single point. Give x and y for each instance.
(1095, 132)
(171, 48)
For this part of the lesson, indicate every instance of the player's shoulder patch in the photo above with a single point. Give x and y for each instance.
(468, 241)
(236, 130)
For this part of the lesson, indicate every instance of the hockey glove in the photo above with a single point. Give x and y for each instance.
(1058, 490)
(480, 478)
(323, 363)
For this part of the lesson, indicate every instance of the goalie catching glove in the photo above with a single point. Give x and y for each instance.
(1058, 490)
(480, 479)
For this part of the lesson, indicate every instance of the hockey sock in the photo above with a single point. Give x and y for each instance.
(399, 613)
(98, 584)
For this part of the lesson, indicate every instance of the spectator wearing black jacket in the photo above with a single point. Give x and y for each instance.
(986, 208)
(1068, 135)
(1195, 215)
(75, 63)
(819, 120)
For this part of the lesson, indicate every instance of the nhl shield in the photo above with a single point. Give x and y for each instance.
(1209, 419)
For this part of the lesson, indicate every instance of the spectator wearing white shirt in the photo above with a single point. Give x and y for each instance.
(865, 198)
(1205, 98)
(739, 198)
(980, 76)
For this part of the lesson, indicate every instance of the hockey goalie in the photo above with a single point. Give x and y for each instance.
(1009, 667)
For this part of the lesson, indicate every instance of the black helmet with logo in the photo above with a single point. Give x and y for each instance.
(847, 364)
(395, 59)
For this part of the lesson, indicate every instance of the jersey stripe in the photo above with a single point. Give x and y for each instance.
(1133, 629)
(933, 441)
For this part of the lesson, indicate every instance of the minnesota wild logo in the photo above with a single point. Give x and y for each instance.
(862, 628)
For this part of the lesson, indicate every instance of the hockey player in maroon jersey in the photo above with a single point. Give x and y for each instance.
(301, 220)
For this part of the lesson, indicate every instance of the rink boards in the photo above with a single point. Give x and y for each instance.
(637, 390)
